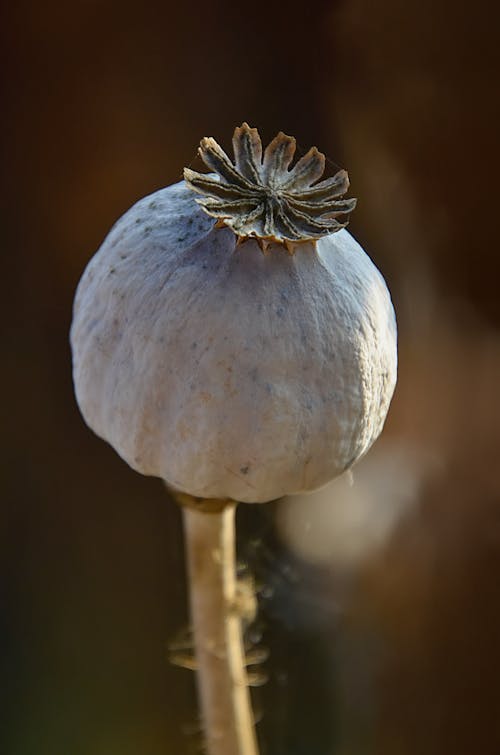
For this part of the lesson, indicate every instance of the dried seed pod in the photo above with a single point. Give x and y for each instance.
(226, 372)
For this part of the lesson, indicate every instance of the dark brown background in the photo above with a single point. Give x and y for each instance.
(104, 102)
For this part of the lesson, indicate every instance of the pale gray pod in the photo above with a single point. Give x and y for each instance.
(227, 372)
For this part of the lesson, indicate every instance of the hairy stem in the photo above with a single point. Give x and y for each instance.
(222, 683)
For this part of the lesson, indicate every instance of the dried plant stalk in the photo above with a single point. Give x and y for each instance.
(222, 680)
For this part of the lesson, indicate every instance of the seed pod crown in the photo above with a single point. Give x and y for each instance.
(260, 196)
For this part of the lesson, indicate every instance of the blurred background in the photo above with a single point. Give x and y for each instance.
(379, 599)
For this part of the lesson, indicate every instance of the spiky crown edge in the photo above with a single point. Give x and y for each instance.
(259, 196)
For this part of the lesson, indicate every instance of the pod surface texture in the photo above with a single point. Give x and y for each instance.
(226, 372)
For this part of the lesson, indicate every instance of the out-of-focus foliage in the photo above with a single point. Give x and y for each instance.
(384, 639)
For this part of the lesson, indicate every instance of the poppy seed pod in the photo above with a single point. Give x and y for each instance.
(230, 336)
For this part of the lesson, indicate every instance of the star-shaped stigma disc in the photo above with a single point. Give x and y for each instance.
(259, 196)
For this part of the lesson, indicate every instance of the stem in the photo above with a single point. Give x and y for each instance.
(222, 683)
